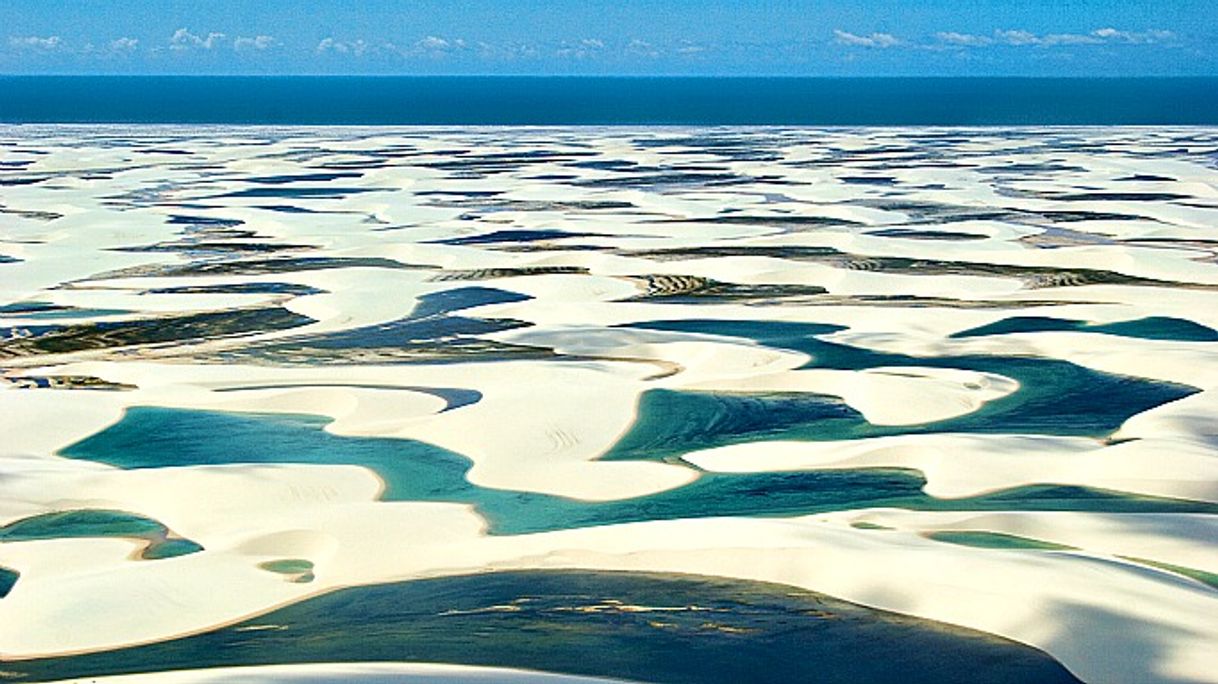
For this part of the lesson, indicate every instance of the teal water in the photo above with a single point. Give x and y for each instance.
(711, 630)
(8, 579)
(149, 437)
(82, 523)
(1054, 398)
(607, 100)
(46, 311)
(296, 570)
(1150, 328)
(706, 631)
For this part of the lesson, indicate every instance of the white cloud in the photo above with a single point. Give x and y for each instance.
(876, 40)
(343, 47)
(185, 40)
(124, 44)
(689, 49)
(432, 44)
(35, 42)
(588, 47)
(510, 51)
(1151, 36)
(1017, 37)
(435, 46)
(1069, 39)
(959, 42)
(255, 43)
(1096, 37)
(965, 39)
(641, 48)
(1110, 33)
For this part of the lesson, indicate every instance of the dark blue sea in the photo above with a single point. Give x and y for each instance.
(607, 101)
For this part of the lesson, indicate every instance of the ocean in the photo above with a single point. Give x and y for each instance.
(366, 100)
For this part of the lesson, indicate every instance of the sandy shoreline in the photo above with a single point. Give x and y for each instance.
(372, 673)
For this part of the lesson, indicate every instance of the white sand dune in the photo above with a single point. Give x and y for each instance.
(957, 465)
(552, 379)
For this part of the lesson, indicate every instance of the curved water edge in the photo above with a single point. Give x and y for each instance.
(8, 580)
(994, 540)
(1054, 397)
(149, 437)
(669, 629)
(1149, 328)
(159, 541)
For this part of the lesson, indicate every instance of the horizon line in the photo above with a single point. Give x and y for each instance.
(838, 77)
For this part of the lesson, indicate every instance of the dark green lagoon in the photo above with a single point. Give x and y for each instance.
(669, 629)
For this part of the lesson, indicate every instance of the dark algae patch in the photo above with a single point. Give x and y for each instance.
(685, 289)
(47, 311)
(62, 339)
(1209, 579)
(63, 382)
(669, 629)
(994, 540)
(253, 266)
(431, 333)
(1033, 277)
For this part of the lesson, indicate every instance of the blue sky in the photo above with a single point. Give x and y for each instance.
(630, 37)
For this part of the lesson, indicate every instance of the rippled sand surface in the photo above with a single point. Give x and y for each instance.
(964, 376)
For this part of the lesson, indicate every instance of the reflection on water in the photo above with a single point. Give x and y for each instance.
(658, 628)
